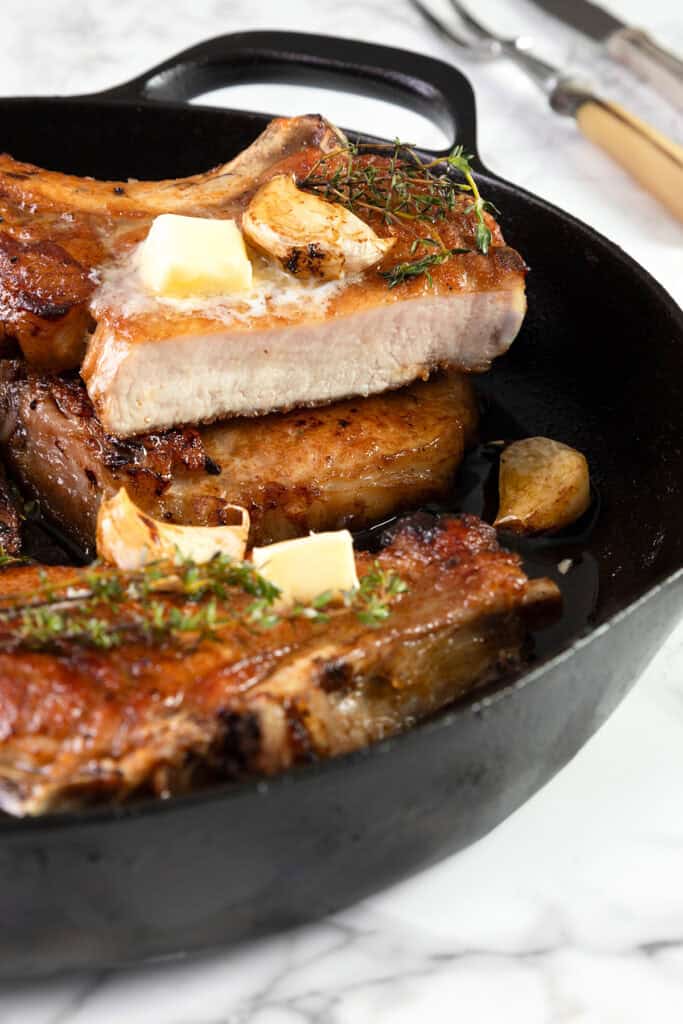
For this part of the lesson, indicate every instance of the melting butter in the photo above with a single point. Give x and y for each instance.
(121, 292)
(307, 567)
(186, 257)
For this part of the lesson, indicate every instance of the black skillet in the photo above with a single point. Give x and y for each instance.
(598, 364)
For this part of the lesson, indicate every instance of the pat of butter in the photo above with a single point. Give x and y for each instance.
(307, 567)
(187, 256)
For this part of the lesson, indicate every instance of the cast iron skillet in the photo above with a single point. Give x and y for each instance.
(599, 365)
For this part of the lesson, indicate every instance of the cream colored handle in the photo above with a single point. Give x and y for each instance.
(655, 161)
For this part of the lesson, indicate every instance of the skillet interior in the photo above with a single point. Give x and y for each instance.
(597, 365)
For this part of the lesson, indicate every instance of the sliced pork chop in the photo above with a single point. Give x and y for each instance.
(154, 364)
(344, 465)
(79, 725)
(153, 371)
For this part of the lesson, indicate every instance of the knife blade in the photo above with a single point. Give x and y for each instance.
(584, 16)
(632, 47)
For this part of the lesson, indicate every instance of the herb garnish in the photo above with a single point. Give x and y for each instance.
(406, 188)
(375, 593)
(180, 604)
(103, 607)
(458, 159)
(7, 559)
(413, 268)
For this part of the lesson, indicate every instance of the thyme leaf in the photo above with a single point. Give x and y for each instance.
(374, 595)
(7, 559)
(458, 159)
(413, 268)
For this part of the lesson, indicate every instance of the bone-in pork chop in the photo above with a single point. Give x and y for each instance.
(156, 363)
(79, 724)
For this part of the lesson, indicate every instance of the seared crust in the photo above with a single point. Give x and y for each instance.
(345, 465)
(43, 301)
(81, 725)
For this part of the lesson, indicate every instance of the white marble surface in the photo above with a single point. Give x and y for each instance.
(572, 911)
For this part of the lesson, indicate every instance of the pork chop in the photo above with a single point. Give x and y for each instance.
(345, 465)
(79, 724)
(156, 363)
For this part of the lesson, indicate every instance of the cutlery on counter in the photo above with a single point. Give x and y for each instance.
(632, 47)
(654, 160)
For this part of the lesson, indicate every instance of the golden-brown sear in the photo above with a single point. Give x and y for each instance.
(43, 301)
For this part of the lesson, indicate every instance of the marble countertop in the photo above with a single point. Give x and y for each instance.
(571, 912)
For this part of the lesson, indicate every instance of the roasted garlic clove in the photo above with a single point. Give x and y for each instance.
(543, 486)
(128, 538)
(308, 235)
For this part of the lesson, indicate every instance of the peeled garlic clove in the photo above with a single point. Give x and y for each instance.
(128, 538)
(308, 235)
(543, 486)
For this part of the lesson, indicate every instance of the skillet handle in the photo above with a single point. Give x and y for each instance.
(430, 87)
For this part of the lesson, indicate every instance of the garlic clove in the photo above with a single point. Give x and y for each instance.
(310, 236)
(129, 538)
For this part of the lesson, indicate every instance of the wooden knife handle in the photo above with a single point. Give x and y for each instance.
(660, 68)
(655, 161)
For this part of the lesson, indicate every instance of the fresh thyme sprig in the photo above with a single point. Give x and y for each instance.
(7, 559)
(458, 159)
(374, 595)
(315, 611)
(103, 607)
(166, 603)
(406, 188)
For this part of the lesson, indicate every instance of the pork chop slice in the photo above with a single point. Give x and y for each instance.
(152, 371)
(157, 363)
(345, 465)
(79, 724)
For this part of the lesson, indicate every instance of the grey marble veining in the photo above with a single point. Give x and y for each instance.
(571, 912)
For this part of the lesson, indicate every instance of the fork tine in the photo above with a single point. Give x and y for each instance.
(441, 27)
(472, 23)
